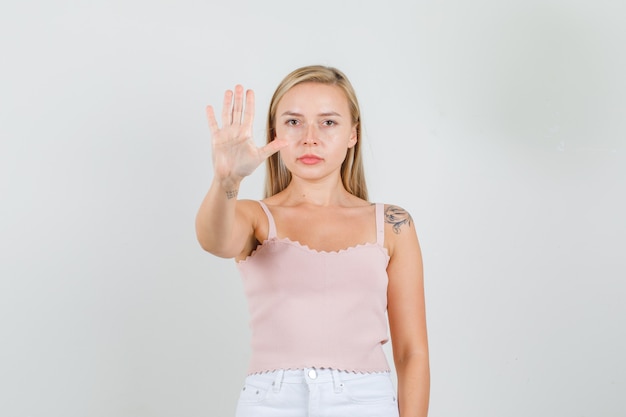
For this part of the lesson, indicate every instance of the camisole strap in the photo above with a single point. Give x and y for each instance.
(380, 224)
(272, 229)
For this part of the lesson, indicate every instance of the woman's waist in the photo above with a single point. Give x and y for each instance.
(312, 375)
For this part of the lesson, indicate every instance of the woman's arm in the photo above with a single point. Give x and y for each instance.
(225, 225)
(407, 313)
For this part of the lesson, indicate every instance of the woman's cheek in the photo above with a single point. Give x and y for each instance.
(291, 137)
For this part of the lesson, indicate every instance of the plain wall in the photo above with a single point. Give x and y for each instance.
(499, 125)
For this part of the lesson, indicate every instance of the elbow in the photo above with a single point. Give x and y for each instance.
(417, 355)
(205, 239)
(416, 364)
(205, 245)
(215, 248)
(217, 252)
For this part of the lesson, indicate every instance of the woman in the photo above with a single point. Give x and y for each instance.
(321, 265)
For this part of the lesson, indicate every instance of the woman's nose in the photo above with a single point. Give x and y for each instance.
(311, 135)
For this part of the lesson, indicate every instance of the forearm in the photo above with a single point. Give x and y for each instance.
(413, 385)
(215, 221)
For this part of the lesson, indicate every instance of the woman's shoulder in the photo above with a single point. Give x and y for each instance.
(399, 229)
(249, 205)
(396, 218)
(252, 211)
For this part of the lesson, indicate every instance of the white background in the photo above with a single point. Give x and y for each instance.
(500, 125)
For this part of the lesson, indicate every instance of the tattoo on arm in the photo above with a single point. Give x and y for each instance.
(398, 217)
(231, 194)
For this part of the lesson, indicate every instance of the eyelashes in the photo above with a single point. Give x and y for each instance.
(296, 122)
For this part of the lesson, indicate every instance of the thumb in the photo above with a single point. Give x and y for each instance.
(272, 147)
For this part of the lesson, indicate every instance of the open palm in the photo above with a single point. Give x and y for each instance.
(235, 154)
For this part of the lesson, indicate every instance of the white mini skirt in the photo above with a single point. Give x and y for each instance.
(312, 392)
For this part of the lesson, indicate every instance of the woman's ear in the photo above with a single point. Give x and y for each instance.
(353, 137)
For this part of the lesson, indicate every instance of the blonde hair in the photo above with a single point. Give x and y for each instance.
(352, 174)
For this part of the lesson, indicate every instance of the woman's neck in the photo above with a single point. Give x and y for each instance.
(326, 192)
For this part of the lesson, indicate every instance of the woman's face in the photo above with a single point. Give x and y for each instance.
(315, 120)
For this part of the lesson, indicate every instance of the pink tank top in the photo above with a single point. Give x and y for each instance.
(319, 309)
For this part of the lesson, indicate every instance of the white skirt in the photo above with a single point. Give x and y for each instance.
(315, 392)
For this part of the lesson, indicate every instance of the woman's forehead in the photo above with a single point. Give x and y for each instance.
(312, 96)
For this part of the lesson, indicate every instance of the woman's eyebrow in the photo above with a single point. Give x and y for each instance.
(296, 114)
(291, 113)
(330, 113)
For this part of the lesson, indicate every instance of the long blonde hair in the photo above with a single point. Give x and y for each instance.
(352, 174)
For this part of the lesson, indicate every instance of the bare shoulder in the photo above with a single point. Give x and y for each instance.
(248, 205)
(251, 211)
(398, 218)
(399, 229)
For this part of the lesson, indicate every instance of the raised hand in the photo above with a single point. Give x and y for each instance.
(235, 154)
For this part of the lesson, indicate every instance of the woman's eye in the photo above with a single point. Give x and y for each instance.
(292, 122)
(329, 123)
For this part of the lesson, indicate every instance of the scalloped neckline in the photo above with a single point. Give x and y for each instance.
(312, 250)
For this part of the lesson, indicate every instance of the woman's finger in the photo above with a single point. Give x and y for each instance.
(272, 147)
(248, 115)
(210, 115)
(238, 107)
(227, 109)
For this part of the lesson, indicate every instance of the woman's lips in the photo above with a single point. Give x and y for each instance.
(309, 159)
